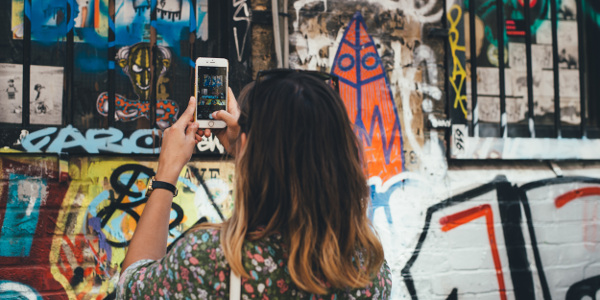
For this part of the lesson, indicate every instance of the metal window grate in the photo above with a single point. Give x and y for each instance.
(531, 129)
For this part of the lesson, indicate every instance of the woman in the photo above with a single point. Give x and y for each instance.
(299, 227)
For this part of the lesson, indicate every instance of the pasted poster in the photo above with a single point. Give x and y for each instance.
(90, 19)
(49, 19)
(16, 24)
(11, 94)
(46, 94)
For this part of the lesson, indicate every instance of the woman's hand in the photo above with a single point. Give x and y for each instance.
(178, 142)
(229, 135)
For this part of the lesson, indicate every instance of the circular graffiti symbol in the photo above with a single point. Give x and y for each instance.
(122, 180)
(346, 62)
(369, 61)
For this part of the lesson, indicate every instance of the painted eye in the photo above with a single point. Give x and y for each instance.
(136, 68)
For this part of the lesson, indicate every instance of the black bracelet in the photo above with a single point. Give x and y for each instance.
(155, 184)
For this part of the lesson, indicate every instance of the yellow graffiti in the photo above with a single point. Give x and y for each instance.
(459, 75)
(81, 259)
(162, 93)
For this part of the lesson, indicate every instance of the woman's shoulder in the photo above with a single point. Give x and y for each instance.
(200, 245)
(204, 243)
(209, 236)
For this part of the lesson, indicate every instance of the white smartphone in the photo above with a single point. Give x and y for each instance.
(211, 90)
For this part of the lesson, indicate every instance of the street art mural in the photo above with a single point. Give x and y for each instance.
(370, 105)
(512, 237)
(31, 192)
(450, 230)
(332, 36)
(96, 141)
(516, 255)
(74, 218)
(127, 33)
(135, 63)
(404, 62)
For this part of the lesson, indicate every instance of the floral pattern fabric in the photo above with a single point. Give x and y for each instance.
(196, 268)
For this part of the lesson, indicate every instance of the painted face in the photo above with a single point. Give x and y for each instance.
(139, 70)
(137, 67)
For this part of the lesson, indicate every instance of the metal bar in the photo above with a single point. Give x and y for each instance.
(474, 129)
(555, 66)
(583, 79)
(111, 52)
(530, 108)
(286, 37)
(192, 41)
(448, 133)
(67, 113)
(153, 70)
(26, 63)
(501, 66)
(276, 33)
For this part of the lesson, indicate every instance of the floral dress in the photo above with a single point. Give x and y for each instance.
(196, 268)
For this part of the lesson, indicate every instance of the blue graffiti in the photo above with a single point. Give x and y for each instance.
(113, 140)
(22, 213)
(48, 21)
(175, 19)
(382, 199)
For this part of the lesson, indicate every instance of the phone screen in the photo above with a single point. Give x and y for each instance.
(212, 91)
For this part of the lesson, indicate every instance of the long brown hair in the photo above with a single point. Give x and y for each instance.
(300, 174)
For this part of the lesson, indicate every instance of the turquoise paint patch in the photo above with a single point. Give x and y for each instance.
(22, 215)
(592, 14)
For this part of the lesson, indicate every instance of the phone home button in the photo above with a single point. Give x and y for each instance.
(211, 124)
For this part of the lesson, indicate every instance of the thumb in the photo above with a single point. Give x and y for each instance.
(225, 116)
(187, 115)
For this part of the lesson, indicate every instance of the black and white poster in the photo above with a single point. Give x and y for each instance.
(46, 94)
(11, 94)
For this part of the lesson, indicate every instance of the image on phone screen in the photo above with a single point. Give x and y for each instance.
(212, 92)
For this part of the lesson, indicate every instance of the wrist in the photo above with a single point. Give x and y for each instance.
(169, 176)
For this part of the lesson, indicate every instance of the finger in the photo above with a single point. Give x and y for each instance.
(229, 119)
(189, 112)
(232, 106)
(207, 132)
(192, 129)
(198, 138)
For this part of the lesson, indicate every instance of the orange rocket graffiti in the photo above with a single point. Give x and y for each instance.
(365, 89)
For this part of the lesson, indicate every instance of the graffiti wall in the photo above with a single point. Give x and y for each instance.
(87, 86)
(125, 64)
(505, 236)
(66, 223)
(463, 230)
(507, 232)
